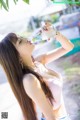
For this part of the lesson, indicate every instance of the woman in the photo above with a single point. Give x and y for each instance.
(32, 83)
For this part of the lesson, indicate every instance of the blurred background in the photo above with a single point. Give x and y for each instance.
(24, 17)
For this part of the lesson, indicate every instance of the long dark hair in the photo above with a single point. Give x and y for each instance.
(9, 60)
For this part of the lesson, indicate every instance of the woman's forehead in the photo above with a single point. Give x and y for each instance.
(22, 38)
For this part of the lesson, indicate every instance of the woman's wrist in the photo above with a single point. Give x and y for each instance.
(57, 33)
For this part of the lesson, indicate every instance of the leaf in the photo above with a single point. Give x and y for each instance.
(7, 3)
(15, 1)
(0, 5)
(4, 5)
(26, 1)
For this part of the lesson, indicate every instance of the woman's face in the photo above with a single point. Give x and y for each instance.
(24, 46)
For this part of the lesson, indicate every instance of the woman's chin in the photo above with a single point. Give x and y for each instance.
(33, 48)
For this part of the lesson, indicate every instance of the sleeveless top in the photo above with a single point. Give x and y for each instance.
(50, 79)
(48, 74)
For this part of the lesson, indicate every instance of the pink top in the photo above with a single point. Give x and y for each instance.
(55, 84)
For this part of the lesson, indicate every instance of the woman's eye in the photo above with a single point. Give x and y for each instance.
(20, 41)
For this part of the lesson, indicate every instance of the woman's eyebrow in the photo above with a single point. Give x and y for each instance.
(22, 38)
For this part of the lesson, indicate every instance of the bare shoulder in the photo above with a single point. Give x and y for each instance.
(29, 75)
(30, 81)
(28, 78)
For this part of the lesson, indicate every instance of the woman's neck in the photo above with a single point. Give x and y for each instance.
(31, 62)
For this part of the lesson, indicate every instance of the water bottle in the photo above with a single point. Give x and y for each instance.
(43, 34)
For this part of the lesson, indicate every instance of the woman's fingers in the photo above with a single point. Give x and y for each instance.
(48, 24)
(45, 28)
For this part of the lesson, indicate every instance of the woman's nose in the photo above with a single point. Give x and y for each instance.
(28, 41)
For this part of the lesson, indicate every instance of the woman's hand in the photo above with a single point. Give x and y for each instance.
(48, 30)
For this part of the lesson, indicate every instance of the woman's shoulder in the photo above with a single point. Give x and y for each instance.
(29, 81)
(29, 76)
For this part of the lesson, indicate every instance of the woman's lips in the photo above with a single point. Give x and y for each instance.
(30, 43)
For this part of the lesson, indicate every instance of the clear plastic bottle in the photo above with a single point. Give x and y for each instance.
(43, 34)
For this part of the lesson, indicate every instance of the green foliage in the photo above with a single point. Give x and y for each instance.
(27, 1)
(54, 18)
(5, 3)
(70, 2)
(77, 2)
(15, 1)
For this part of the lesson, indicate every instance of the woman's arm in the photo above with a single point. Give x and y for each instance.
(58, 52)
(65, 42)
(34, 91)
